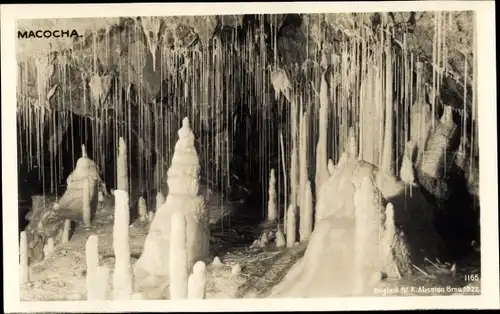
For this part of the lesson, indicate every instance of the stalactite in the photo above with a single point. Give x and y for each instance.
(291, 226)
(283, 163)
(321, 150)
(303, 162)
(294, 158)
(388, 149)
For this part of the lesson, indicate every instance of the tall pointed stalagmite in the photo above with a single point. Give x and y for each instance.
(122, 274)
(306, 218)
(322, 172)
(272, 210)
(183, 176)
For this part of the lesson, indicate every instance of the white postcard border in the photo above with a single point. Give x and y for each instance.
(487, 141)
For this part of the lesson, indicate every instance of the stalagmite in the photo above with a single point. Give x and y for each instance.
(390, 230)
(122, 167)
(160, 200)
(23, 265)
(306, 215)
(93, 281)
(143, 210)
(48, 248)
(197, 282)
(291, 226)
(322, 172)
(102, 289)
(264, 240)
(331, 167)
(352, 144)
(122, 274)
(280, 238)
(183, 197)
(66, 231)
(236, 270)
(216, 263)
(86, 210)
(272, 212)
(80, 199)
(178, 258)
(151, 216)
(407, 172)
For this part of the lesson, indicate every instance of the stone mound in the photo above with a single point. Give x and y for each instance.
(369, 225)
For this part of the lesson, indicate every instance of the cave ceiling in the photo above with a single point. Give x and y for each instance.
(299, 39)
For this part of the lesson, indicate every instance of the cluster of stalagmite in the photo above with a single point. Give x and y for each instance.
(179, 233)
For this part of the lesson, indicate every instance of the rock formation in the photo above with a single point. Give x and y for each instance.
(349, 225)
(45, 222)
(183, 197)
(70, 205)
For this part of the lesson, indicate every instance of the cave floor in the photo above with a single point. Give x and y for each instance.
(61, 275)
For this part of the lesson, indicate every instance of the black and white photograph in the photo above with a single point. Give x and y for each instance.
(249, 156)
